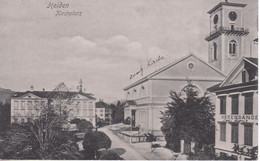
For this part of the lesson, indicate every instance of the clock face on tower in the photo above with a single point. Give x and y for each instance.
(232, 16)
(215, 20)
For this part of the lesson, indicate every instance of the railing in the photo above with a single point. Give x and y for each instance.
(227, 29)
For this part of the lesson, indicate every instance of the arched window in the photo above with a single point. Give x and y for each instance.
(214, 51)
(134, 94)
(142, 92)
(128, 96)
(232, 47)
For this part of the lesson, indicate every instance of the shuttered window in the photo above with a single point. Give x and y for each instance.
(222, 105)
(248, 140)
(222, 132)
(249, 103)
(234, 133)
(235, 104)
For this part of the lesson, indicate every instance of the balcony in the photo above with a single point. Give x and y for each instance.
(227, 31)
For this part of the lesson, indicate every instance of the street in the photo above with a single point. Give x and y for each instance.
(130, 154)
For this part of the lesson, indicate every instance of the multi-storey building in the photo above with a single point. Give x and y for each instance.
(237, 111)
(103, 112)
(27, 105)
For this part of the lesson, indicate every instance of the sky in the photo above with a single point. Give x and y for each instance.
(104, 45)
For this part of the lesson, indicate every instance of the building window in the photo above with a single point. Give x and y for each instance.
(84, 112)
(134, 94)
(232, 27)
(142, 92)
(249, 103)
(15, 120)
(84, 104)
(232, 47)
(90, 104)
(90, 112)
(222, 132)
(37, 105)
(101, 115)
(16, 112)
(29, 105)
(234, 100)
(22, 120)
(23, 105)
(248, 135)
(101, 110)
(214, 51)
(16, 105)
(128, 96)
(245, 76)
(234, 133)
(222, 105)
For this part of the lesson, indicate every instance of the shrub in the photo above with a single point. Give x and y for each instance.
(93, 141)
(127, 121)
(110, 155)
(84, 125)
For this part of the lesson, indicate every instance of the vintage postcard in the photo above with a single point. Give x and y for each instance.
(129, 79)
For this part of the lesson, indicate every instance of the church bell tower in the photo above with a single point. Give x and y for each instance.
(226, 37)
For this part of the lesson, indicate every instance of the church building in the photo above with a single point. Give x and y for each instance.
(149, 95)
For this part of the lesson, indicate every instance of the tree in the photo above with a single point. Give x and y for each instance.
(44, 136)
(93, 141)
(5, 112)
(188, 117)
(84, 126)
(75, 121)
(117, 112)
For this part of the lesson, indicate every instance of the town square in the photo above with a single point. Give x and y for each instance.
(129, 80)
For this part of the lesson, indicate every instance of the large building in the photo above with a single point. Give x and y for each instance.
(27, 105)
(149, 95)
(236, 118)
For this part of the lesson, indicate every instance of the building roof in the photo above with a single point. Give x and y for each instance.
(101, 104)
(53, 94)
(225, 4)
(252, 60)
(169, 66)
(218, 88)
(226, 84)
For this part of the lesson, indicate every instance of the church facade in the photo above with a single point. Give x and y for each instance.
(148, 96)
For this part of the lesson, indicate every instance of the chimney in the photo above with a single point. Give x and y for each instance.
(32, 88)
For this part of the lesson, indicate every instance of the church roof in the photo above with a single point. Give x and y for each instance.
(225, 4)
(169, 66)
